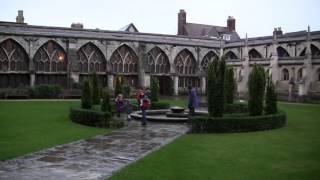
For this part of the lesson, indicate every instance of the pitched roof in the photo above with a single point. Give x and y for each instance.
(129, 28)
(202, 30)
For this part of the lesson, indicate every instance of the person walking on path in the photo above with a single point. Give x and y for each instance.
(144, 105)
(119, 104)
(193, 100)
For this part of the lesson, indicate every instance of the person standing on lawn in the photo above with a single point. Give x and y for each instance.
(193, 100)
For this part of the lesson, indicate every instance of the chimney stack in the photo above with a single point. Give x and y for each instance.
(20, 18)
(231, 24)
(277, 31)
(182, 21)
(77, 25)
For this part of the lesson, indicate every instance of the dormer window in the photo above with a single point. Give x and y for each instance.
(226, 37)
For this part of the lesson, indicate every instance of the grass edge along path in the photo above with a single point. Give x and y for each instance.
(291, 152)
(30, 126)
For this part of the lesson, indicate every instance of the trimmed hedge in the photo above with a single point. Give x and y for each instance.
(90, 117)
(201, 124)
(46, 91)
(236, 108)
(160, 105)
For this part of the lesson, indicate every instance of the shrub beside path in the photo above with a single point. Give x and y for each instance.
(95, 158)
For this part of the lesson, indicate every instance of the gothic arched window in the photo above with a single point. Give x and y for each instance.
(282, 52)
(209, 57)
(315, 51)
(13, 57)
(91, 59)
(303, 52)
(124, 60)
(254, 54)
(285, 74)
(185, 63)
(158, 62)
(50, 57)
(230, 56)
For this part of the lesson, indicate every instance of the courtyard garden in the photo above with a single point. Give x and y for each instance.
(284, 145)
(291, 152)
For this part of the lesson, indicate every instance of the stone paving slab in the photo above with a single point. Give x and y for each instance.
(95, 158)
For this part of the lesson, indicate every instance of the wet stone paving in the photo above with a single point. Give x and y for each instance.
(95, 158)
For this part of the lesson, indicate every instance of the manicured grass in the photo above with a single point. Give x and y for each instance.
(176, 101)
(292, 152)
(27, 127)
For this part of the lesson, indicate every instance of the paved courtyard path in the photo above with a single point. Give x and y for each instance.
(95, 158)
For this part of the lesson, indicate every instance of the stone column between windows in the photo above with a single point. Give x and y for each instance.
(307, 68)
(203, 84)
(146, 80)
(175, 85)
(141, 66)
(31, 62)
(32, 79)
(73, 69)
(110, 82)
(242, 85)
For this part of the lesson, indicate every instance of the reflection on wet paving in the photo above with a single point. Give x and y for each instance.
(95, 158)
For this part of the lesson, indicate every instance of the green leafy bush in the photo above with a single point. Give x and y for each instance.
(86, 97)
(76, 85)
(229, 85)
(118, 88)
(46, 91)
(154, 89)
(160, 105)
(271, 98)
(90, 117)
(126, 91)
(236, 108)
(96, 98)
(106, 106)
(256, 85)
(201, 124)
(216, 80)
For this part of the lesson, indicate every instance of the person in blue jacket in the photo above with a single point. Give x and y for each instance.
(193, 101)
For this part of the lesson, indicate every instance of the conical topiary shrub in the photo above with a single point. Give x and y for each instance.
(86, 98)
(96, 98)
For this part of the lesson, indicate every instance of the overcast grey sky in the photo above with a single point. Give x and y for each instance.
(255, 17)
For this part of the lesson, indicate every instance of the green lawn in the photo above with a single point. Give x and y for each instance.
(292, 152)
(27, 127)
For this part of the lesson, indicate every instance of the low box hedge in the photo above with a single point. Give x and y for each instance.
(202, 124)
(236, 108)
(45, 91)
(90, 117)
(160, 105)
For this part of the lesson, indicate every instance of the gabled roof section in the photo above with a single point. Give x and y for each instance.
(202, 30)
(129, 28)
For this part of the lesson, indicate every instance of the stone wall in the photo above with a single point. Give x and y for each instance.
(302, 62)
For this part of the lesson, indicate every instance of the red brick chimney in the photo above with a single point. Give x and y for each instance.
(182, 20)
(231, 24)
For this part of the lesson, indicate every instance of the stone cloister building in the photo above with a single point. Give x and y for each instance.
(32, 55)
